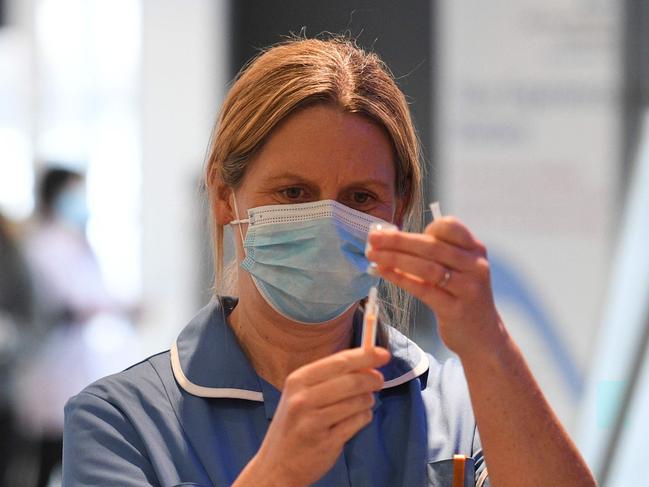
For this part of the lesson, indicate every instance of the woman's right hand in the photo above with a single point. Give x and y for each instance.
(323, 405)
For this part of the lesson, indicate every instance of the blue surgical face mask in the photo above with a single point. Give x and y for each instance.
(71, 207)
(308, 260)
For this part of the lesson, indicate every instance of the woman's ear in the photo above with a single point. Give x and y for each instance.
(222, 204)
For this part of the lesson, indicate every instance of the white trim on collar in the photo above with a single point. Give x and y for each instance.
(202, 391)
(416, 371)
(230, 393)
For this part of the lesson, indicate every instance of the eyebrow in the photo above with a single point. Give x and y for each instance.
(287, 176)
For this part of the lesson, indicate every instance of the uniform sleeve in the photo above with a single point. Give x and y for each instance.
(481, 474)
(101, 447)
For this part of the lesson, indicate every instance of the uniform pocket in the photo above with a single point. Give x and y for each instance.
(440, 473)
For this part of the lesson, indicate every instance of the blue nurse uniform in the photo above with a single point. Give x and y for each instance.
(196, 414)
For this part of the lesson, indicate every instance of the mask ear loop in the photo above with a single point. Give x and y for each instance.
(238, 221)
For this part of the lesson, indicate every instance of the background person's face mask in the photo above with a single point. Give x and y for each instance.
(308, 260)
(70, 206)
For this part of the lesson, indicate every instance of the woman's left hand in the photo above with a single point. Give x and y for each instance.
(509, 406)
(446, 267)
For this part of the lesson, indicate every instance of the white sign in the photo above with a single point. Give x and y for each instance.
(528, 148)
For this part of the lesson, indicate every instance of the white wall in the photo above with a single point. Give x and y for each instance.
(183, 75)
(130, 89)
(528, 148)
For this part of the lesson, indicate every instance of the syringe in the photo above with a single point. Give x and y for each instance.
(371, 315)
(370, 319)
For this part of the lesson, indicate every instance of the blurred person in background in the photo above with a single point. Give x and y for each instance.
(16, 321)
(69, 284)
(82, 333)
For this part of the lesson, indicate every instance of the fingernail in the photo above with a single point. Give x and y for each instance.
(372, 269)
(378, 227)
(382, 227)
(368, 247)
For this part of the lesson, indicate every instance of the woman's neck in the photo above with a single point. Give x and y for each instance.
(277, 346)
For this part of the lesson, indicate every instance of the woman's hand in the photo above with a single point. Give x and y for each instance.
(446, 267)
(509, 406)
(323, 405)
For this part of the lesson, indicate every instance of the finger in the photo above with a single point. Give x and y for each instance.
(345, 386)
(427, 292)
(340, 363)
(335, 413)
(348, 427)
(451, 230)
(428, 270)
(422, 245)
(429, 273)
(457, 285)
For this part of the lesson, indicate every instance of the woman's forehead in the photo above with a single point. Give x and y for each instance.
(324, 142)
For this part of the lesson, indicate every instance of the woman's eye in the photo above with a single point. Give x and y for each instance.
(361, 198)
(293, 193)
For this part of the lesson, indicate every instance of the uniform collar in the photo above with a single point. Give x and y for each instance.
(207, 360)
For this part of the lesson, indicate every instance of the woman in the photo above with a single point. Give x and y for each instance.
(75, 313)
(315, 142)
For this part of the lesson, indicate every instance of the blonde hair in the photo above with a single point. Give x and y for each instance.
(304, 72)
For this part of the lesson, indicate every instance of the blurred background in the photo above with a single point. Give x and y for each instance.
(533, 120)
